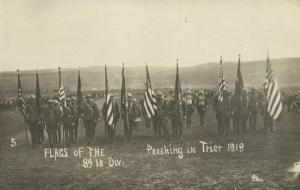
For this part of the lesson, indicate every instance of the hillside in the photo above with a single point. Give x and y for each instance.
(205, 75)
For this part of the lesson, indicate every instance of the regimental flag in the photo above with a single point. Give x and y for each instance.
(61, 91)
(124, 103)
(149, 99)
(239, 84)
(21, 101)
(109, 106)
(79, 93)
(273, 96)
(222, 82)
(178, 98)
(37, 94)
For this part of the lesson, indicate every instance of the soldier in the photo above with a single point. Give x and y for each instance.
(216, 108)
(132, 115)
(88, 122)
(74, 108)
(189, 106)
(68, 121)
(225, 112)
(253, 108)
(116, 117)
(33, 120)
(173, 116)
(52, 119)
(201, 105)
(162, 115)
(96, 114)
(244, 111)
(235, 101)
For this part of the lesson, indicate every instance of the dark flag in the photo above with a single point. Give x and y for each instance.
(109, 111)
(239, 84)
(79, 93)
(273, 96)
(222, 82)
(21, 102)
(178, 100)
(149, 99)
(38, 95)
(124, 103)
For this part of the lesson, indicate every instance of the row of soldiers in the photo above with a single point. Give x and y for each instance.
(241, 109)
(61, 120)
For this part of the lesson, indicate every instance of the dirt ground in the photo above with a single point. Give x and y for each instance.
(266, 155)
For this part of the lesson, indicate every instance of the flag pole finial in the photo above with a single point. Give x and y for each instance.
(18, 70)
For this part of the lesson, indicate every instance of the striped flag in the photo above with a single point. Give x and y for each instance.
(61, 91)
(221, 83)
(109, 106)
(149, 99)
(273, 96)
(21, 101)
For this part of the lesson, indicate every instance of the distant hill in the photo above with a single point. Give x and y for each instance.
(201, 76)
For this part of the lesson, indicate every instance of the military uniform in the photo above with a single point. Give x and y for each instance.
(244, 111)
(88, 122)
(75, 111)
(52, 120)
(133, 114)
(189, 108)
(96, 114)
(216, 108)
(225, 112)
(162, 116)
(68, 123)
(236, 104)
(253, 109)
(173, 117)
(201, 105)
(33, 121)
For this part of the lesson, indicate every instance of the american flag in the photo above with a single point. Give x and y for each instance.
(109, 111)
(273, 96)
(21, 101)
(221, 83)
(149, 99)
(61, 91)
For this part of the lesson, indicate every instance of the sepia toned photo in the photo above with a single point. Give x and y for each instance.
(142, 95)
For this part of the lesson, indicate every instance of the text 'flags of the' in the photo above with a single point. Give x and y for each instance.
(274, 102)
(109, 111)
(149, 99)
(239, 83)
(61, 91)
(21, 101)
(221, 83)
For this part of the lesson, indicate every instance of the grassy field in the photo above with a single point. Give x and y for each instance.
(267, 155)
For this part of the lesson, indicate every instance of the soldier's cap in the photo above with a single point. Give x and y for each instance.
(188, 92)
(134, 99)
(129, 94)
(201, 92)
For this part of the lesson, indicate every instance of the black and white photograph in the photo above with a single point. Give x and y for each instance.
(149, 95)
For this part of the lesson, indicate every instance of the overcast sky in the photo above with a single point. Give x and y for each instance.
(45, 34)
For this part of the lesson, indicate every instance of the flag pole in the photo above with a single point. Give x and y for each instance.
(106, 92)
(25, 122)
